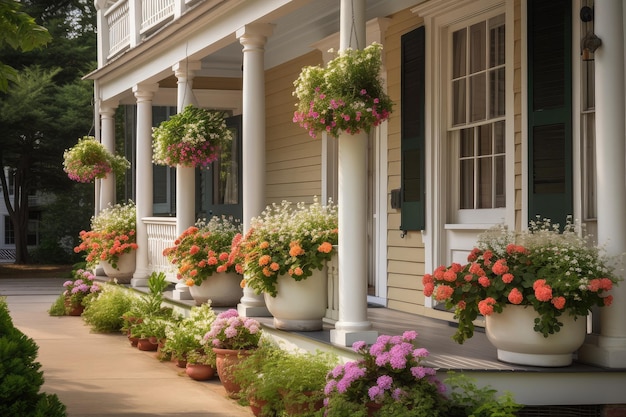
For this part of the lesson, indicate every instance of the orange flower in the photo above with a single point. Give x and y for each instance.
(325, 247)
(295, 249)
(264, 260)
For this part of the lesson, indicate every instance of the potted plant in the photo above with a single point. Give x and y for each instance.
(550, 277)
(232, 338)
(284, 256)
(187, 335)
(346, 96)
(81, 286)
(112, 241)
(103, 312)
(190, 138)
(201, 363)
(88, 160)
(202, 255)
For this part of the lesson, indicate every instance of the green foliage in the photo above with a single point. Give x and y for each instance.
(470, 400)
(20, 375)
(18, 31)
(104, 313)
(186, 335)
(58, 306)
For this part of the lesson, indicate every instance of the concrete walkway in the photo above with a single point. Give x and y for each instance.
(97, 375)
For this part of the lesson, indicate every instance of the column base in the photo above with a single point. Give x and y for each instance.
(609, 352)
(252, 311)
(348, 337)
(181, 292)
(139, 282)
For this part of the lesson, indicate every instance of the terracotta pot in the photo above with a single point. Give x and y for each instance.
(372, 409)
(226, 359)
(511, 332)
(146, 345)
(181, 363)
(294, 408)
(199, 371)
(256, 406)
(133, 340)
(299, 305)
(125, 268)
(223, 289)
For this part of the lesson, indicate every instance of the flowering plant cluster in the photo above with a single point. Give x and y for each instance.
(287, 240)
(204, 249)
(112, 234)
(187, 335)
(553, 272)
(88, 160)
(390, 374)
(80, 286)
(231, 331)
(346, 96)
(190, 138)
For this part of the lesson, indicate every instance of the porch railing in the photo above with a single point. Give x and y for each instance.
(122, 31)
(162, 234)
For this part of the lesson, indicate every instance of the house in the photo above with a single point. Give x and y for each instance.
(546, 124)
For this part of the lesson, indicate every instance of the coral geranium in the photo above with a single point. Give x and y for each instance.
(204, 249)
(287, 240)
(553, 272)
(112, 234)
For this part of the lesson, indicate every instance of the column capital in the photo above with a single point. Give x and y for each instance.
(254, 34)
(107, 108)
(186, 69)
(145, 91)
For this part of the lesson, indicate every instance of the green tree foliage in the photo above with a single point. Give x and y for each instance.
(19, 32)
(20, 375)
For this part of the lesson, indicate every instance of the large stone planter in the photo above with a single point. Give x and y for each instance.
(223, 289)
(299, 305)
(125, 268)
(511, 332)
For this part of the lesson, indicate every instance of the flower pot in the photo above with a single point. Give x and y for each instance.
(133, 340)
(226, 359)
(221, 288)
(299, 305)
(125, 268)
(146, 345)
(199, 371)
(73, 309)
(302, 406)
(511, 332)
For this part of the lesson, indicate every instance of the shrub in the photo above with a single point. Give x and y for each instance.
(20, 375)
(104, 312)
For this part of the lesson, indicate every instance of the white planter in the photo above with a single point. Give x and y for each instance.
(511, 332)
(299, 305)
(222, 289)
(125, 268)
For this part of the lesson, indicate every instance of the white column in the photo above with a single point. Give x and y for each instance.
(143, 178)
(609, 347)
(253, 39)
(185, 176)
(352, 205)
(103, 31)
(107, 137)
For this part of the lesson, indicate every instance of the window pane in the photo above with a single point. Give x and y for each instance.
(484, 183)
(496, 93)
(458, 102)
(478, 98)
(467, 184)
(467, 142)
(477, 47)
(459, 48)
(500, 179)
(159, 190)
(496, 41)
(498, 137)
(225, 189)
(484, 140)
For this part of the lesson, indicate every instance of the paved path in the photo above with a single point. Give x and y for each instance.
(98, 375)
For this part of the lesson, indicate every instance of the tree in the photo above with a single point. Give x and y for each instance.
(45, 111)
(19, 32)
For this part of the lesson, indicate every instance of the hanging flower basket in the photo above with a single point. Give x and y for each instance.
(346, 96)
(89, 160)
(191, 138)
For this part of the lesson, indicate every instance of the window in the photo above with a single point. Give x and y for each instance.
(588, 129)
(477, 88)
(9, 232)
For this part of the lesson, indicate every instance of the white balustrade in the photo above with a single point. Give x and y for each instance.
(332, 310)
(118, 21)
(154, 12)
(161, 235)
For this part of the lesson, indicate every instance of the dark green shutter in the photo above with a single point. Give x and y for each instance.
(550, 109)
(412, 134)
